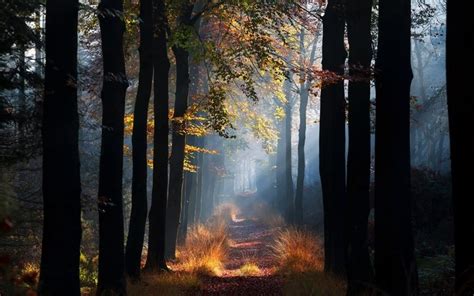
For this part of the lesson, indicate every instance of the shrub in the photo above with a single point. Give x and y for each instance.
(249, 269)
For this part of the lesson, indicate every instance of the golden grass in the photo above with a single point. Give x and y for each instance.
(165, 284)
(226, 212)
(205, 248)
(249, 269)
(298, 251)
(314, 283)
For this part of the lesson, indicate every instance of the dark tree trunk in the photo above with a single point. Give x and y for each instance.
(111, 277)
(395, 265)
(59, 273)
(136, 232)
(460, 98)
(157, 215)
(332, 140)
(280, 168)
(179, 139)
(304, 96)
(199, 184)
(289, 188)
(358, 161)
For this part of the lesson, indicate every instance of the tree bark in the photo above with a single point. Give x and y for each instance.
(289, 186)
(459, 46)
(332, 140)
(111, 277)
(59, 271)
(139, 210)
(158, 209)
(358, 14)
(179, 138)
(395, 264)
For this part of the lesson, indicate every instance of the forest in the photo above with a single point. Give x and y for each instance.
(236, 147)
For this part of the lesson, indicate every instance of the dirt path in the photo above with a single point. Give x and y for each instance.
(250, 245)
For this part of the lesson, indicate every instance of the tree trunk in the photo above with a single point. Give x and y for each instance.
(139, 210)
(179, 139)
(358, 161)
(111, 277)
(332, 140)
(460, 98)
(280, 168)
(158, 209)
(289, 188)
(395, 264)
(59, 273)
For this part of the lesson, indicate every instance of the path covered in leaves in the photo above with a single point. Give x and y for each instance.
(250, 267)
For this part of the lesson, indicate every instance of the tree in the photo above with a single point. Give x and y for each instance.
(111, 277)
(460, 98)
(139, 210)
(59, 273)
(158, 210)
(332, 139)
(358, 16)
(304, 97)
(179, 138)
(395, 265)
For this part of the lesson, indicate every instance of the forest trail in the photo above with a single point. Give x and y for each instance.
(250, 248)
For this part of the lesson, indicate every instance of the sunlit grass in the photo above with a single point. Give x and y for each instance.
(266, 215)
(249, 269)
(298, 251)
(226, 212)
(171, 284)
(205, 248)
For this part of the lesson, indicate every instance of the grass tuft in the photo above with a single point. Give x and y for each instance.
(249, 269)
(298, 251)
(205, 248)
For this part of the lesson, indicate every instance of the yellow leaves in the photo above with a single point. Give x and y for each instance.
(279, 113)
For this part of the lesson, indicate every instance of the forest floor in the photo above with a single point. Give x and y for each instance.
(250, 266)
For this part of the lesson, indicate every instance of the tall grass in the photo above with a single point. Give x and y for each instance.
(300, 258)
(298, 251)
(206, 245)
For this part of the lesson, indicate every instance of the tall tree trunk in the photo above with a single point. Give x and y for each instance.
(111, 277)
(280, 168)
(332, 140)
(460, 98)
(179, 138)
(136, 232)
(358, 161)
(394, 247)
(289, 188)
(158, 209)
(199, 183)
(59, 273)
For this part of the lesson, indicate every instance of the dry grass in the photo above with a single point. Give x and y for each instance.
(298, 251)
(314, 283)
(225, 212)
(249, 269)
(205, 248)
(165, 284)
